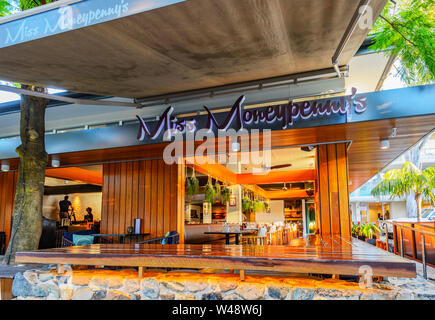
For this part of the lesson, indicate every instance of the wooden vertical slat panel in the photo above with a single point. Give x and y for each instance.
(135, 193)
(161, 189)
(128, 197)
(112, 197)
(4, 177)
(105, 196)
(147, 189)
(148, 176)
(343, 186)
(122, 199)
(180, 200)
(141, 194)
(324, 190)
(168, 201)
(117, 197)
(10, 209)
(154, 197)
(8, 182)
(173, 178)
(333, 189)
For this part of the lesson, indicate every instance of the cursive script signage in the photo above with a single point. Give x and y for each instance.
(73, 16)
(237, 118)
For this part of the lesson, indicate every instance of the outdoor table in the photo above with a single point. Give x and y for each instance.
(228, 233)
(123, 236)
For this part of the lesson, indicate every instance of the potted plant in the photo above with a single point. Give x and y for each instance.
(258, 205)
(209, 192)
(369, 230)
(191, 187)
(225, 195)
(360, 233)
(246, 204)
(355, 229)
(217, 192)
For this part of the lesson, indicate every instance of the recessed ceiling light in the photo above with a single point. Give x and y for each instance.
(55, 163)
(385, 144)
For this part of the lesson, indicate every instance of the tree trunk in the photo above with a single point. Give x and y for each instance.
(414, 156)
(27, 215)
(418, 199)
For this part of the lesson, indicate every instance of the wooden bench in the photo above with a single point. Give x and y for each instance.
(335, 256)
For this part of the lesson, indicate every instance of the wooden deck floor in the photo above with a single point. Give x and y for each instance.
(310, 255)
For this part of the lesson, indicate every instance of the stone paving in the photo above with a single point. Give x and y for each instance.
(126, 285)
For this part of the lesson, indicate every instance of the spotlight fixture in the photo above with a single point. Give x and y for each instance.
(385, 144)
(308, 148)
(5, 167)
(55, 163)
(235, 146)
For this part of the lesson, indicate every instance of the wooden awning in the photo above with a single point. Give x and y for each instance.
(144, 48)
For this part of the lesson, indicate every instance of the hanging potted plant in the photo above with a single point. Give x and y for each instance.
(217, 192)
(258, 205)
(225, 195)
(246, 204)
(209, 191)
(266, 206)
(191, 186)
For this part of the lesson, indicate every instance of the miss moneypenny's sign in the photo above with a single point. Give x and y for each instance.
(274, 117)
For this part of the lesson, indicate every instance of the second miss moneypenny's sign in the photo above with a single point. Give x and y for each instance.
(274, 117)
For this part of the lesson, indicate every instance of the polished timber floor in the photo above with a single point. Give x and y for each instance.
(314, 254)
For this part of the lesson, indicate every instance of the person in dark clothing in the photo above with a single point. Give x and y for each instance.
(89, 216)
(64, 207)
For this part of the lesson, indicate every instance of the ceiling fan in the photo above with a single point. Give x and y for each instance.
(266, 168)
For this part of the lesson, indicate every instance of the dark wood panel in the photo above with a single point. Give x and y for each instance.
(334, 209)
(343, 187)
(325, 219)
(8, 182)
(141, 189)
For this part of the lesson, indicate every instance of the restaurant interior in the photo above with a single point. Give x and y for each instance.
(252, 203)
(237, 202)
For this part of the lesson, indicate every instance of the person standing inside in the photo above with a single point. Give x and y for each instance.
(64, 206)
(89, 217)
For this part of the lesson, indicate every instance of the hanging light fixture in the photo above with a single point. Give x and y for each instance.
(5, 167)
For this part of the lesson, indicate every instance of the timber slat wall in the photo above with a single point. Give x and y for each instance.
(150, 190)
(334, 212)
(8, 181)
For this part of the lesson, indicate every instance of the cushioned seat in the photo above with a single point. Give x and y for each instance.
(82, 240)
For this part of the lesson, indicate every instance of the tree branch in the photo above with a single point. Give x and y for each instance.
(397, 30)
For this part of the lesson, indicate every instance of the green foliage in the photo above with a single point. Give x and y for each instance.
(408, 32)
(5, 8)
(258, 205)
(29, 4)
(191, 187)
(247, 205)
(225, 195)
(399, 182)
(365, 229)
(209, 192)
(356, 229)
(217, 192)
(266, 206)
(369, 229)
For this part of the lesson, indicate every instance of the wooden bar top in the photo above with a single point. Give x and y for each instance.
(332, 255)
